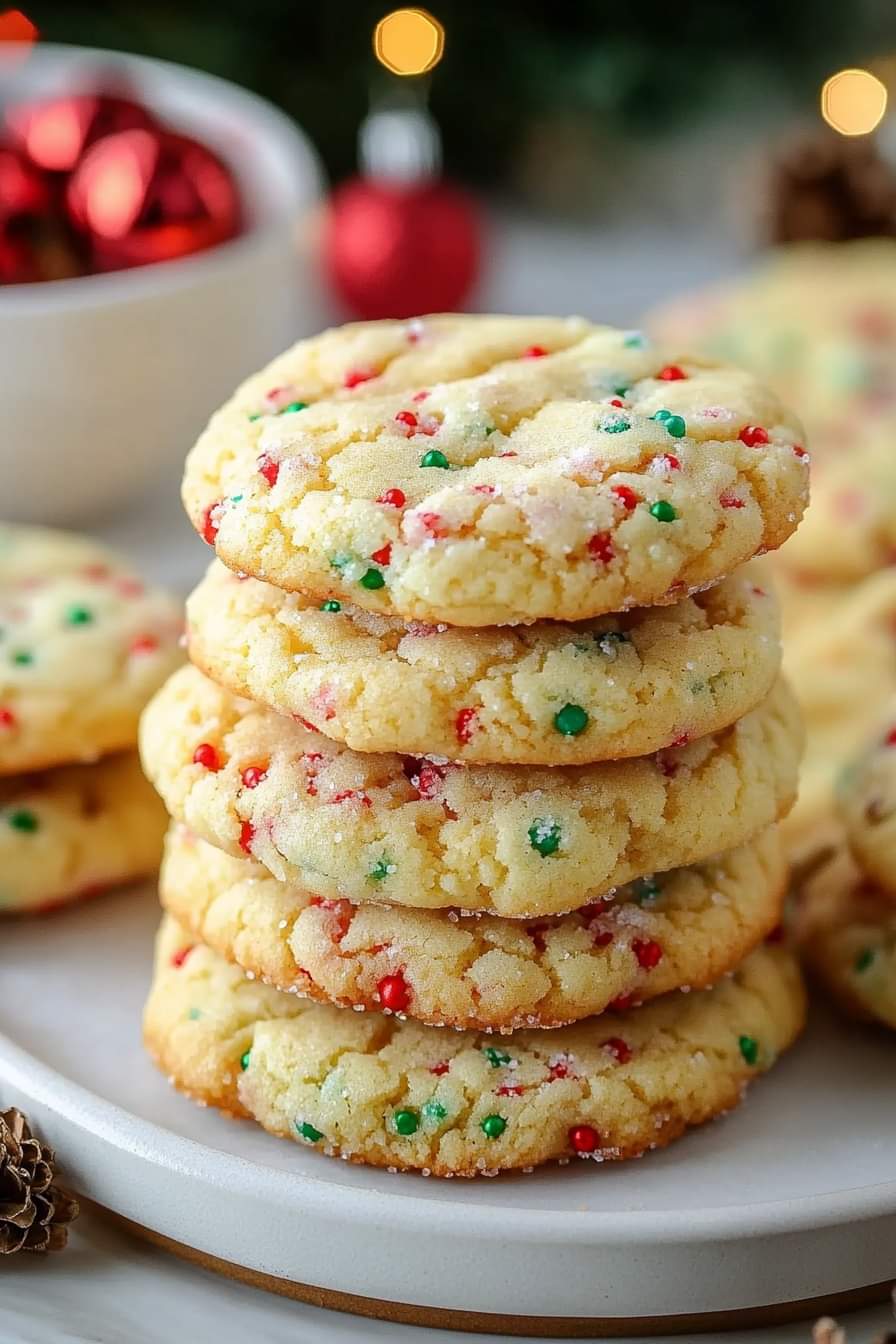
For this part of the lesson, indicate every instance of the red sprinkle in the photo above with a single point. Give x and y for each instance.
(776, 935)
(672, 373)
(465, 725)
(618, 1048)
(483, 489)
(269, 469)
(394, 497)
(620, 1003)
(799, 450)
(559, 1069)
(421, 395)
(352, 795)
(428, 780)
(626, 495)
(753, 435)
(130, 587)
(669, 461)
(7, 718)
(144, 644)
(600, 547)
(207, 756)
(354, 377)
(729, 501)
(409, 419)
(602, 937)
(247, 835)
(394, 992)
(433, 524)
(583, 1139)
(890, 739)
(253, 775)
(209, 524)
(648, 952)
(534, 352)
(383, 555)
(616, 401)
(508, 1091)
(179, 957)
(441, 1068)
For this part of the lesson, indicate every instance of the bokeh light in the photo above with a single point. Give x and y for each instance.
(853, 102)
(409, 41)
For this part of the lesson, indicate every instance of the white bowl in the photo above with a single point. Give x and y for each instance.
(107, 379)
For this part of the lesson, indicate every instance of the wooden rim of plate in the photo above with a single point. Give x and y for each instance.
(473, 1322)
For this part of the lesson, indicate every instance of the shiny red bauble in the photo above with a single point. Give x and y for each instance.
(54, 133)
(394, 250)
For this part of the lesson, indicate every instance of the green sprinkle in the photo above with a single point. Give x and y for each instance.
(571, 720)
(293, 406)
(244, 1060)
(381, 869)
(308, 1132)
(663, 511)
(22, 819)
(646, 889)
(621, 389)
(496, 1057)
(675, 426)
(372, 579)
(490, 429)
(194, 1014)
(434, 1110)
(331, 605)
(863, 960)
(662, 416)
(255, 415)
(406, 1122)
(749, 1049)
(22, 658)
(544, 836)
(78, 616)
(635, 340)
(435, 458)
(493, 1126)
(616, 424)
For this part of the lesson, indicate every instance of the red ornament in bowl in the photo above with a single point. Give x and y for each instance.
(54, 133)
(143, 196)
(32, 244)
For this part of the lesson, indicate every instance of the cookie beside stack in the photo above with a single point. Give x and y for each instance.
(419, 768)
(83, 645)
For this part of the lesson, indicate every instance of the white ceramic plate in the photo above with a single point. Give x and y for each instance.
(790, 1198)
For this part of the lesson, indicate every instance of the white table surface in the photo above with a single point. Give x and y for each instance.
(108, 1287)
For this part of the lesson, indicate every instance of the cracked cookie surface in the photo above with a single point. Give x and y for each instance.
(511, 840)
(685, 928)
(493, 470)
(399, 1094)
(83, 645)
(547, 694)
(69, 833)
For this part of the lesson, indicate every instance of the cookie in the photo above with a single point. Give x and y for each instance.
(545, 694)
(69, 833)
(866, 801)
(374, 1089)
(684, 928)
(817, 323)
(847, 933)
(83, 645)
(512, 840)
(491, 470)
(842, 664)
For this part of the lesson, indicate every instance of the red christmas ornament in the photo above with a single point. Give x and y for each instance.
(399, 240)
(393, 251)
(54, 133)
(144, 196)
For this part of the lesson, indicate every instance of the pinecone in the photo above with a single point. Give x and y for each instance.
(820, 186)
(34, 1212)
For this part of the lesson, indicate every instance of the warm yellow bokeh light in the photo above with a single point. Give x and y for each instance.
(853, 101)
(409, 41)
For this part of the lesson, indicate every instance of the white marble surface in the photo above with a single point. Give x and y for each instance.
(109, 1287)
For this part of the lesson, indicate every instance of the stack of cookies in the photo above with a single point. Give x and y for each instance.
(83, 645)
(484, 730)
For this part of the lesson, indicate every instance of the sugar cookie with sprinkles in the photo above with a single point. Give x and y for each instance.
(866, 801)
(492, 470)
(847, 933)
(512, 840)
(549, 694)
(83, 645)
(373, 1089)
(70, 833)
(684, 928)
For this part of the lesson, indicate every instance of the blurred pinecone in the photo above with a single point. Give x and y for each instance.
(34, 1212)
(818, 185)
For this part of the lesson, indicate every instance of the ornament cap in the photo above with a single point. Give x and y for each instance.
(400, 145)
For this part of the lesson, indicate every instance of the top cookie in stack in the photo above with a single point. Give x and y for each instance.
(485, 647)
